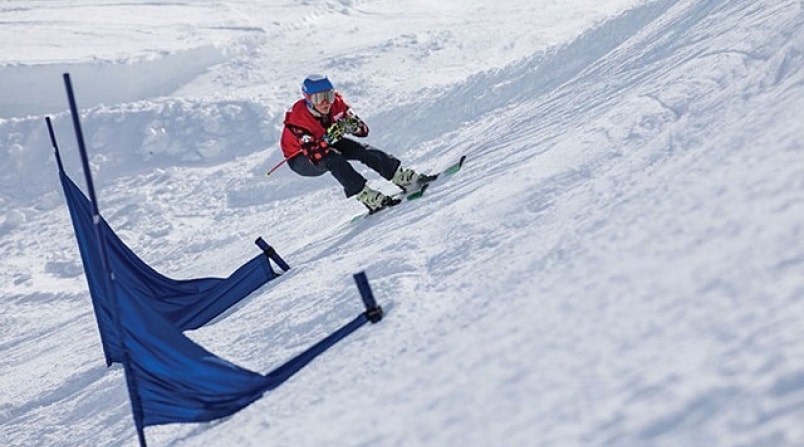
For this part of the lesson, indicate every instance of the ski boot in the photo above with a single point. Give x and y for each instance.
(409, 180)
(375, 200)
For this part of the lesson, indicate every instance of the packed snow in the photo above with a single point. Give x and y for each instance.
(619, 263)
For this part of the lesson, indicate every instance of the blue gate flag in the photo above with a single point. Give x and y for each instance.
(176, 379)
(173, 379)
(187, 304)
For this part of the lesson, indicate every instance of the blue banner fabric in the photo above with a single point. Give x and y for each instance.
(171, 378)
(187, 304)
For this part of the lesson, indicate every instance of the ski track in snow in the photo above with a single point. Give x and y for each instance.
(619, 263)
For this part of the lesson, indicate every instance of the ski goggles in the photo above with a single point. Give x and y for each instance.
(318, 98)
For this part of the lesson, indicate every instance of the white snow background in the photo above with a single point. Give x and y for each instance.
(620, 262)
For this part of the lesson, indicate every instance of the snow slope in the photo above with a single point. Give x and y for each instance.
(619, 263)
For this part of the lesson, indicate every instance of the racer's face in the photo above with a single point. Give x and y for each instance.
(323, 101)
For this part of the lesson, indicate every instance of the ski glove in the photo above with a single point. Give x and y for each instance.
(314, 150)
(350, 125)
(354, 126)
(334, 132)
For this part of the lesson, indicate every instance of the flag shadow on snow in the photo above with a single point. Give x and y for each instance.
(142, 314)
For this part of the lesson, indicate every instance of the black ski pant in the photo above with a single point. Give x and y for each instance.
(337, 163)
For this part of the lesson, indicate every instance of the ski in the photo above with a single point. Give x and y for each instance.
(418, 193)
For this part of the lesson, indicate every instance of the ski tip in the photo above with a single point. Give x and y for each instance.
(455, 167)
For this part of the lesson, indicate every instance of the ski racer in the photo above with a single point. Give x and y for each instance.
(313, 140)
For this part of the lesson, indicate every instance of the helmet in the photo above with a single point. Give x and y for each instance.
(316, 83)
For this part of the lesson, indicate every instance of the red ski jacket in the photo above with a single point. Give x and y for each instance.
(300, 121)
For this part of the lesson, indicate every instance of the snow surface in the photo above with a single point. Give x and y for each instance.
(620, 263)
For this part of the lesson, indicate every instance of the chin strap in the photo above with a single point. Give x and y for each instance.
(312, 110)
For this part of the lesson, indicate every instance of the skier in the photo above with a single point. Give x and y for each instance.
(315, 127)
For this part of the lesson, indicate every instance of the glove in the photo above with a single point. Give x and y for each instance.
(354, 126)
(314, 150)
(334, 132)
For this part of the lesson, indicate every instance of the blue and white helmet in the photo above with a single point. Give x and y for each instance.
(315, 88)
